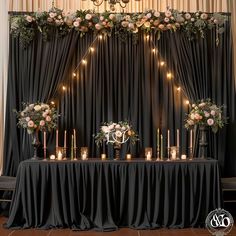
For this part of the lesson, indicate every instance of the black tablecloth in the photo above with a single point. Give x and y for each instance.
(106, 195)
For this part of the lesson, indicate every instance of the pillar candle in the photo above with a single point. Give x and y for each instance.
(177, 137)
(158, 142)
(44, 139)
(57, 138)
(168, 138)
(161, 146)
(74, 139)
(191, 138)
(65, 139)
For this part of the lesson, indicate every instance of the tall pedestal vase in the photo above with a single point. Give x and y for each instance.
(35, 143)
(203, 141)
(117, 148)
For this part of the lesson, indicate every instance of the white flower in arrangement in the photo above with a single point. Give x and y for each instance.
(166, 19)
(76, 24)
(149, 15)
(116, 133)
(157, 14)
(88, 17)
(206, 113)
(204, 16)
(168, 13)
(38, 116)
(187, 16)
(29, 18)
(37, 108)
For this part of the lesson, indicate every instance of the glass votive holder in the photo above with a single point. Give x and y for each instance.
(183, 157)
(52, 157)
(84, 153)
(148, 153)
(173, 152)
(128, 156)
(60, 151)
(103, 156)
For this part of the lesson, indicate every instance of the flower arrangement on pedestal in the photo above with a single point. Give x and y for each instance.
(205, 114)
(37, 117)
(116, 134)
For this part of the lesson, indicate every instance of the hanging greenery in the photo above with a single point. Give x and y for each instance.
(193, 24)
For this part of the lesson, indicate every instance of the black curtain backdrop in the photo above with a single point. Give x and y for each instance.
(120, 81)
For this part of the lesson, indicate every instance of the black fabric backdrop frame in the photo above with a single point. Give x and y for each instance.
(120, 81)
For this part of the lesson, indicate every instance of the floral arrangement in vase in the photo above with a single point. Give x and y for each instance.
(37, 116)
(206, 113)
(116, 133)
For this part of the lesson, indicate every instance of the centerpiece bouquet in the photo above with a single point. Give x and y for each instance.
(37, 117)
(206, 113)
(116, 134)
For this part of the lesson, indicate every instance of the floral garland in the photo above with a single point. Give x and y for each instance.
(26, 26)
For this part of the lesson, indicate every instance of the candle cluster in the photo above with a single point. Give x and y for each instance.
(175, 152)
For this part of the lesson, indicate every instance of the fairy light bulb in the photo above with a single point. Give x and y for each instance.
(187, 102)
(91, 49)
(52, 102)
(178, 89)
(169, 75)
(153, 50)
(147, 37)
(64, 88)
(74, 74)
(84, 61)
(100, 36)
(162, 63)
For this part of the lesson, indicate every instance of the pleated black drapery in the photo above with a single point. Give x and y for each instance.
(119, 81)
(106, 195)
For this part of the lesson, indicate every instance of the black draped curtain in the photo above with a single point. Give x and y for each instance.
(120, 81)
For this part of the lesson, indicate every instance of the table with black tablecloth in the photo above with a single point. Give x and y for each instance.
(105, 195)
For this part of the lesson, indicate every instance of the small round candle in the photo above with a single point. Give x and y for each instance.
(128, 157)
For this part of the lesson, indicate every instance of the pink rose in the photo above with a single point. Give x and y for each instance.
(168, 13)
(206, 114)
(149, 15)
(48, 119)
(166, 19)
(31, 124)
(45, 114)
(42, 123)
(210, 122)
(213, 113)
(76, 24)
(157, 14)
(197, 116)
(98, 26)
(161, 26)
(27, 119)
(88, 17)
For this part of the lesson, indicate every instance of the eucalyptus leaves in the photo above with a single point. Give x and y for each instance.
(193, 24)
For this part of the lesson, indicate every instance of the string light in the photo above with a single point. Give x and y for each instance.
(84, 61)
(187, 102)
(64, 88)
(162, 63)
(100, 36)
(153, 50)
(169, 75)
(178, 89)
(147, 37)
(91, 49)
(74, 74)
(52, 102)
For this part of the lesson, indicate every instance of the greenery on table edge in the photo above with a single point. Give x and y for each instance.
(193, 24)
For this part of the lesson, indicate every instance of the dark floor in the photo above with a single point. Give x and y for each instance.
(121, 232)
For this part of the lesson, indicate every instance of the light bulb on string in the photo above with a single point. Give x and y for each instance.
(91, 49)
(84, 61)
(178, 89)
(162, 63)
(153, 50)
(74, 74)
(169, 75)
(64, 88)
(187, 102)
(147, 37)
(52, 102)
(100, 36)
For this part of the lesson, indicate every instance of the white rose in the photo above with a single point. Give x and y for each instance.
(157, 14)
(37, 108)
(105, 129)
(88, 17)
(118, 126)
(149, 15)
(118, 134)
(76, 24)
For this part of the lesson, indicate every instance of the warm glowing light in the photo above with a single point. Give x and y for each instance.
(162, 63)
(153, 50)
(52, 102)
(84, 61)
(147, 37)
(91, 49)
(187, 102)
(178, 89)
(100, 36)
(64, 88)
(169, 75)
(74, 74)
